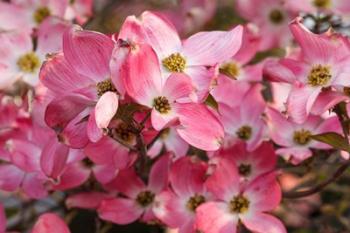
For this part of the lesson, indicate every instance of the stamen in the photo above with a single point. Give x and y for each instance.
(302, 137)
(145, 198)
(245, 169)
(28, 63)
(230, 69)
(322, 3)
(239, 204)
(161, 104)
(104, 86)
(174, 63)
(244, 133)
(41, 13)
(319, 75)
(276, 16)
(194, 202)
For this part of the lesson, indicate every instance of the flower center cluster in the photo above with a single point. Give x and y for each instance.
(230, 69)
(244, 133)
(28, 62)
(124, 133)
(302, 137)
(239, 205)
(104, 86)
(165, 133)
(174, 63)
(322, 3)
(319, 75)
(41, 13)
(245, 169)
(145, 198)
(276, 16)
(161, 104)
(194, 202)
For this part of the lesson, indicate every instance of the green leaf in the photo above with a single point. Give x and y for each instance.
(333, 139)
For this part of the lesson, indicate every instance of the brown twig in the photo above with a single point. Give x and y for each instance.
(299, 194)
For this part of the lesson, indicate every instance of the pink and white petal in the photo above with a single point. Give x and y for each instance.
(171, 209)
(10, 177)
(94, 132)
(106, 108)
(155, 149)
(300, 102)
(105, 173)
(161, 34)
(210, 48)
(50, 223)
(214, 217)
(265, 157)
(250, 44)
(118, 58)
(86, 200)
(162, 120)
(315, 48)
(191, 181)
(326, 100)
(53, 158)
(142, 80)
(73, 176)
(274, 70)
(34, 186)
(50, 33)
(25, 154)
(280, 128)
(174, 143)
(132, 30)
(224, 182)
(58, 75)
(9, 19)
(199, 127)
(62, 110)
(128, 183)
(264, 193)
(229, 92)
(74, 134)
(202, 79)
(89, 52)
(177, 86)
(253, 105)
(257, 135)
(119, 210)
(58, 8)
(158, 177)
(261, 223)
(294, 154)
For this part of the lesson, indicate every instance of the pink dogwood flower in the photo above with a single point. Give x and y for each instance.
(295, 138)
(82, 87)
(32, 12)
(50, 222)
(177, 206)
(271, 17)
(237, 67)
(193, 56)
(244, 122)
(250, 164)
(18, 58)
(239, 203)
(169, 99)
(322, 67)
(139, 200)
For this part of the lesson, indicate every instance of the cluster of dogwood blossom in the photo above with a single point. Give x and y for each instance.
(175, 131)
